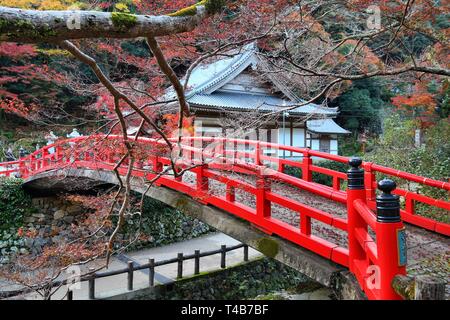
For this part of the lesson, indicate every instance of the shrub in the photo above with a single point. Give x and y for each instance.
(15, 203)
(319, 177)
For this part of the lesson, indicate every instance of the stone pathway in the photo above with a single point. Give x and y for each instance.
(164, 274)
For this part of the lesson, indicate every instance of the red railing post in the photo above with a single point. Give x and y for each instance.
(157, 166)
(59, 154)
(45, 160)
(263, 206)
(369, 181)
(231, 193)
(202, 181)
(355, 191)
(409, 205)
(22, 167)
(306, 166)
(391, 240)
(258, 153)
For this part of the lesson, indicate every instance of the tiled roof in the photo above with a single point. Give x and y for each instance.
(206, 80)
(325, 126)
(237, 101)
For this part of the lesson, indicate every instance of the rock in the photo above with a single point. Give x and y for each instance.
(59, 214)
(38, 215)
(47, 230)
(55, 229)
(68, 219)
(29, 220)
(74, 209)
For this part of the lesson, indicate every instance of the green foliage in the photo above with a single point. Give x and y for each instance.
(443, 107)
(396, 149)
(10, 244)
(15, 203)
(319, 177)
(136, 48)
(361, 106)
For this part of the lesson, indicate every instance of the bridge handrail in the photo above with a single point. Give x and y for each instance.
(342, 159)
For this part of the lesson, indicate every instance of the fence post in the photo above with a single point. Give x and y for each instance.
(70, 295)
(391, 239)
(223, 254)
(355, 190)
(91, 284)
(151, 272)
(130, 275)
(197, 262)
(180, 265)
(245, 252)
(22, 168)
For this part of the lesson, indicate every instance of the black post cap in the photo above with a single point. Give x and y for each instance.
(355, 174)
(388, 205)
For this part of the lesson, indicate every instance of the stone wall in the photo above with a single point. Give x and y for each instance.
(52, 217)
(53, 213)
(244, 281)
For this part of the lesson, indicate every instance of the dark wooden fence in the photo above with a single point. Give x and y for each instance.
(152, 264)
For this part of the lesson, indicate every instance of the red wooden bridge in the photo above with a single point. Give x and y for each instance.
(242, 178)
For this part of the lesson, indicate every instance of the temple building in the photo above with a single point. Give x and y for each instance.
(232, 96)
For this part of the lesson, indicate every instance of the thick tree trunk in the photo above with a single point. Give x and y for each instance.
(17, 25)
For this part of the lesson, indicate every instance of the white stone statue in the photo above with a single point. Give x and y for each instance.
(74, 134)
(51, 138)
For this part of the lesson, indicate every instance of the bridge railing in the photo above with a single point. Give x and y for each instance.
(254, 152)
(377, 241)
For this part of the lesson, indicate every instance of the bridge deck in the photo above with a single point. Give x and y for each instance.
(428, 252)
